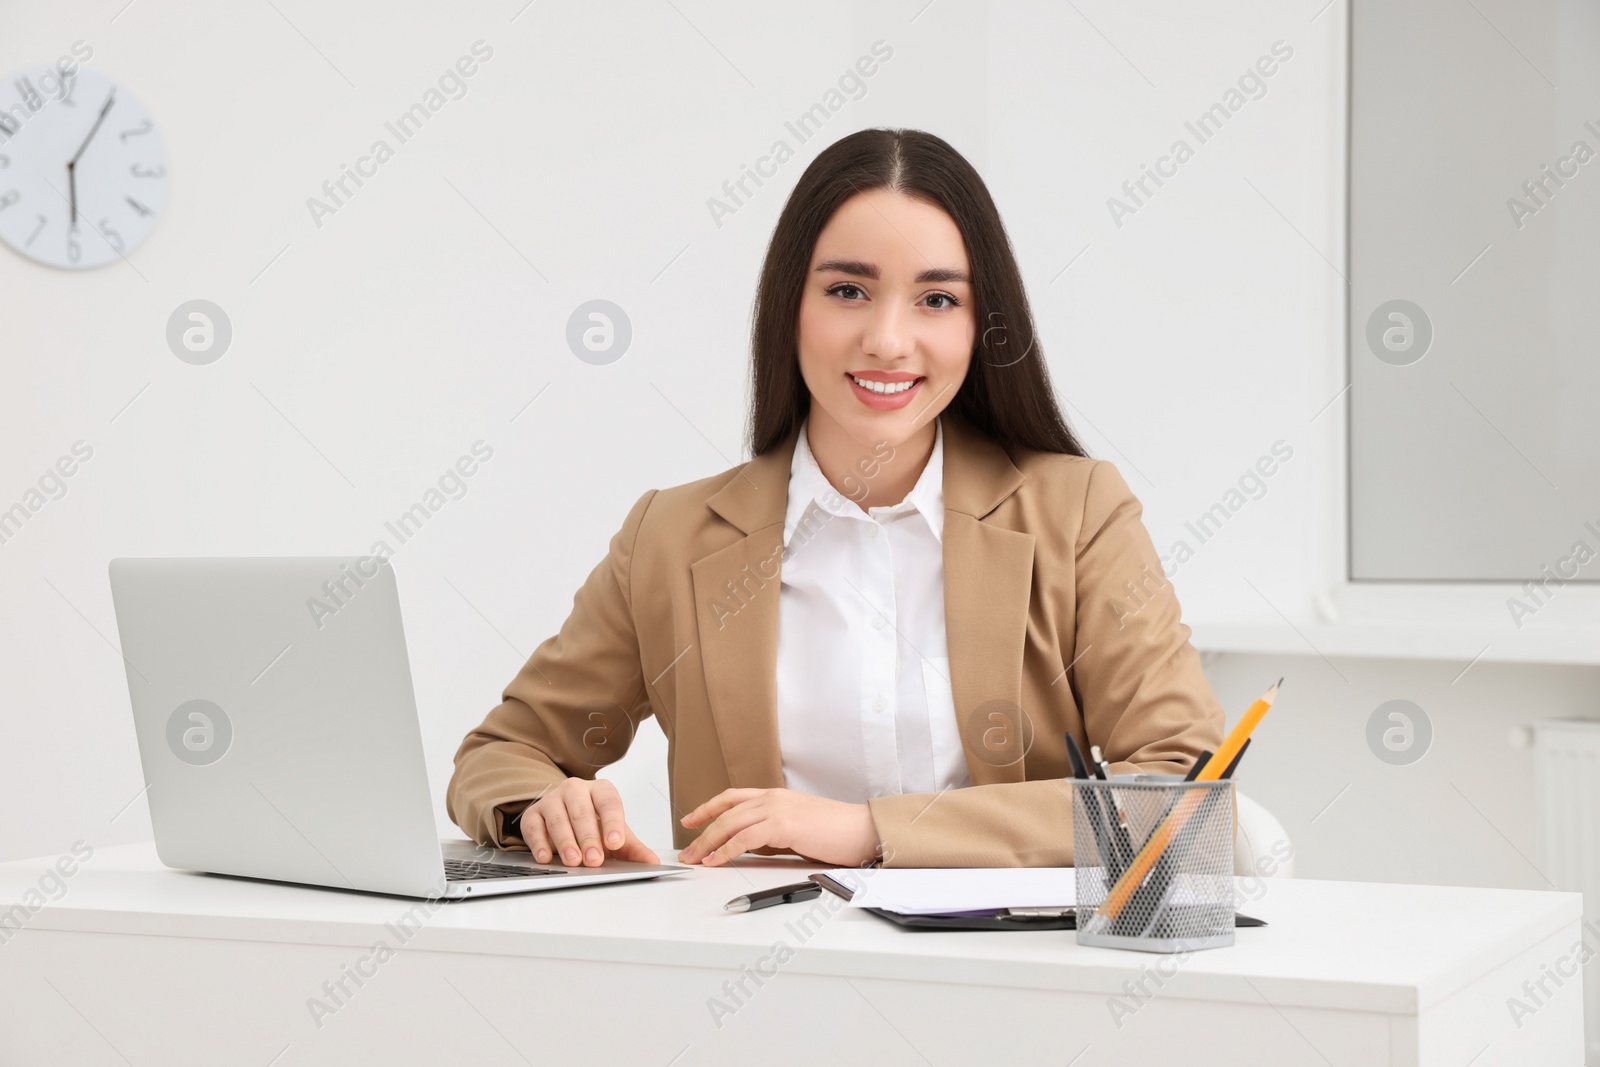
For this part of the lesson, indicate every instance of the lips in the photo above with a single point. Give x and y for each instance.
(885, 401)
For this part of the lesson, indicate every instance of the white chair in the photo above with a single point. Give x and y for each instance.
(1261, 846)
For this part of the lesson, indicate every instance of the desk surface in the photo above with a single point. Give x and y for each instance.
(1374, 947)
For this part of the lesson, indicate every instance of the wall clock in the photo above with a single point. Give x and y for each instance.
(83, 170)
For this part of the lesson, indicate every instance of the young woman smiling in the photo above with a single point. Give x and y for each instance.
(870, 640)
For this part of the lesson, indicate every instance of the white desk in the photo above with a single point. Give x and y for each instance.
(139, 964)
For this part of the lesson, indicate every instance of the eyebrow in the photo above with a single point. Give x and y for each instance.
(863, 269)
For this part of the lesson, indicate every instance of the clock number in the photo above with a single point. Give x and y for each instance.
(69, 82)
(113, 238)
(139, 172)
(29, 242)
(140, 208)
(5, 161)
(8, 126)
(73, 251)
(144, 128)
(29, 94)
(9, 198)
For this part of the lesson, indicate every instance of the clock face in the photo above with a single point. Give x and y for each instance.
(83, 171)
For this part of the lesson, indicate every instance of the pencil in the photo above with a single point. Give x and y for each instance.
(1240, 734)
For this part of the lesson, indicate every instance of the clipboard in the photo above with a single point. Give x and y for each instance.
(1065, 918)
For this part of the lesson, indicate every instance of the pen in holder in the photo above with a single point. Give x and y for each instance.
(1153, 855)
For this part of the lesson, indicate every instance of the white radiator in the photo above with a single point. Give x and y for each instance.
(1567, 773)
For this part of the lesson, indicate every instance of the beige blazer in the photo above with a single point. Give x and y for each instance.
(1058, 617)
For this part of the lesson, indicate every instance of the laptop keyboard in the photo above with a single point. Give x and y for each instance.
(470, 871)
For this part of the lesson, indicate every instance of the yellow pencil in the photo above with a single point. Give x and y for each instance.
(1239, 735)
(1124, 888)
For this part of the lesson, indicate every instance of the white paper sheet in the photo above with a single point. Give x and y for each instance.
(936, 890)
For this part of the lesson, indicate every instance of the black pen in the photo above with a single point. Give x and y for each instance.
(1199, 765)
(766, 898)
(1080, 769)
(1237, 757)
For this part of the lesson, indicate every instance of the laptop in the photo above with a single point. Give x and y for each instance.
(278, 732)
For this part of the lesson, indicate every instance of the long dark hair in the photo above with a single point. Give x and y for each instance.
(1007, 393)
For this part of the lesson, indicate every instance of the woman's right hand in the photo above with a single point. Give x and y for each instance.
(580, 822)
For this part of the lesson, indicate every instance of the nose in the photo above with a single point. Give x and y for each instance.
(889, 333)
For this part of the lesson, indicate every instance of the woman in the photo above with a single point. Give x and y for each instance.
(870, 640)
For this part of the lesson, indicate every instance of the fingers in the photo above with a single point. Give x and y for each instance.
(585, 826)
(576, 824)
(533, 832)
(721, 830)
(636, 850)
(753, 836)
(719, 804)
(553, 810)
(620, 840)
(608, 806)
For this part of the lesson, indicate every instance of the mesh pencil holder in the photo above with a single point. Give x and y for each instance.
(1154, 862)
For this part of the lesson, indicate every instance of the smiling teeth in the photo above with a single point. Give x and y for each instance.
(885, 388)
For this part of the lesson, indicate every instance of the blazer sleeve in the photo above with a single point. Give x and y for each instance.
(1139, 686)
(570, 710)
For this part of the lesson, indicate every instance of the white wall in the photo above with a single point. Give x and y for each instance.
(1463, 814)
(428, 311)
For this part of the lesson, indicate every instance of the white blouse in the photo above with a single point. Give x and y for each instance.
(864, 701)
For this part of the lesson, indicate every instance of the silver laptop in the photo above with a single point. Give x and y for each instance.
(279, 736)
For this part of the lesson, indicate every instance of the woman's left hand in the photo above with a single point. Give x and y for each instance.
(829, 831)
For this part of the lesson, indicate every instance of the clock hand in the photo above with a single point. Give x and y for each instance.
(72, 182)
(110, 99)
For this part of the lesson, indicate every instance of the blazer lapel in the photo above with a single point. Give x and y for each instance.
(736, 608)
(988, 581)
